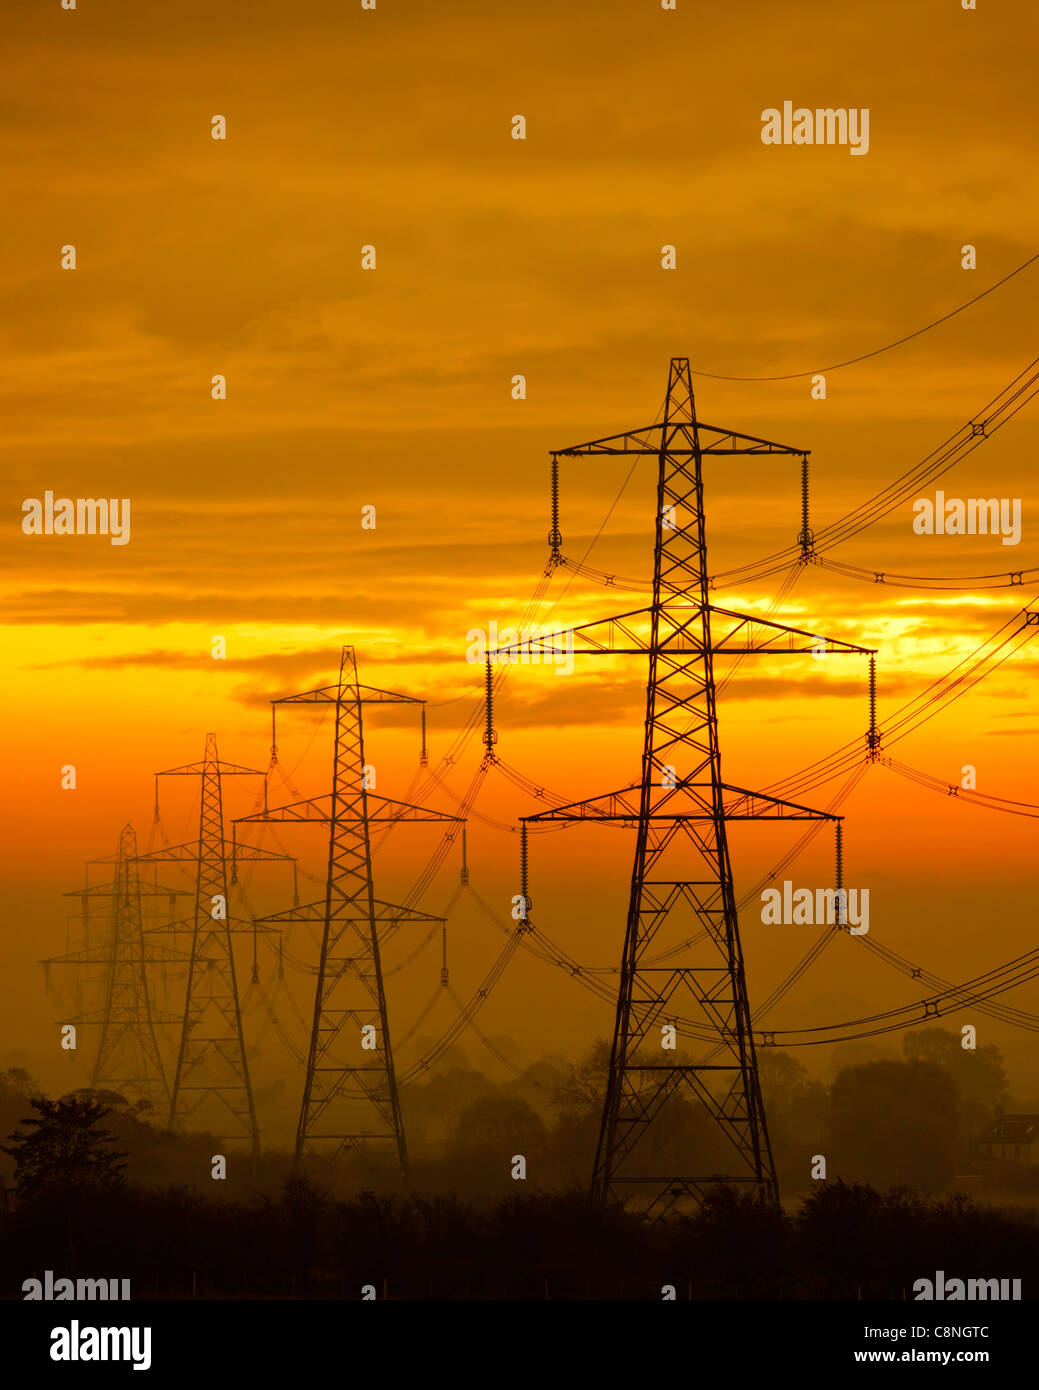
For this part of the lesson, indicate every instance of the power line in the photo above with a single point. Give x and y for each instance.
(876, 352)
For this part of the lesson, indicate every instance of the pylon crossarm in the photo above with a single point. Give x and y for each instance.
(585, 633)
(180, 853)
(147, 890)
(712, 440)
(404, 810)
(252, 853)
(319, 808)
(747, 623)
(686, 800)
(232, 924)
(638, 441)
(326, 695)
(607, 807)
(332, 694)
(744, 806)
(737, 804)
(619, 636)
(171, 854)
(102, 955)
(160, 1018)
(197, 770)
(679, 438)
(384, 913)
(312, 809)
(372, 695)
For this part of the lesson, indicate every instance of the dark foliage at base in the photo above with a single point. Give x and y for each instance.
(845, 1242)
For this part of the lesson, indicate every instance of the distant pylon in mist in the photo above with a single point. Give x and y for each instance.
(123, 954)
(211, 1081)
(350, 1102)
(128, 1059)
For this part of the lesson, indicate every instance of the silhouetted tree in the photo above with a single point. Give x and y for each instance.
(979, 1073)
(584, 1088)
(538, 1086)
(735, 1246)
(65, 1151)
(16, 1082)
(16, 1088)
(62, 1162)
(894, 1122)
(845, 1238)
(796, 1107)
(493, 1129)
(431, 1110)
(302, 1212)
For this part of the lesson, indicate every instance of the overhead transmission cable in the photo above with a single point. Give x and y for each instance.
(887, 347)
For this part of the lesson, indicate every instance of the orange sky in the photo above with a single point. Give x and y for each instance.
(391, 388)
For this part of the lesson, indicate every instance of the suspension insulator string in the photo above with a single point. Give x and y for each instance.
(524, 864)
(842, 910)
(873, 736)
(555, 540)
(490, 738)
(806, 539)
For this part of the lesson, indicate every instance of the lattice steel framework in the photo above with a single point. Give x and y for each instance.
(114, 988)
(212, 1080)
(680, 807)
(350, 1101)
(128, 1058)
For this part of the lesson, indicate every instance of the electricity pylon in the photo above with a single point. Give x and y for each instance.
(680, 807)
(128, 1059)
(350, 1101)
(212, 1075)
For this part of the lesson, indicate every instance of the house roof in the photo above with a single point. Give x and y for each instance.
(1013, 1129)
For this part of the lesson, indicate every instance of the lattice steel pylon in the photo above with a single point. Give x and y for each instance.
(212, 1074)
(121, 997)
(350, 1101)
(680, 807)
(128, 1058)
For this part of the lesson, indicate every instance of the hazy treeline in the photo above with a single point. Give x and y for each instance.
(914, 1121)
(844, 1242)
(91, 1186)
